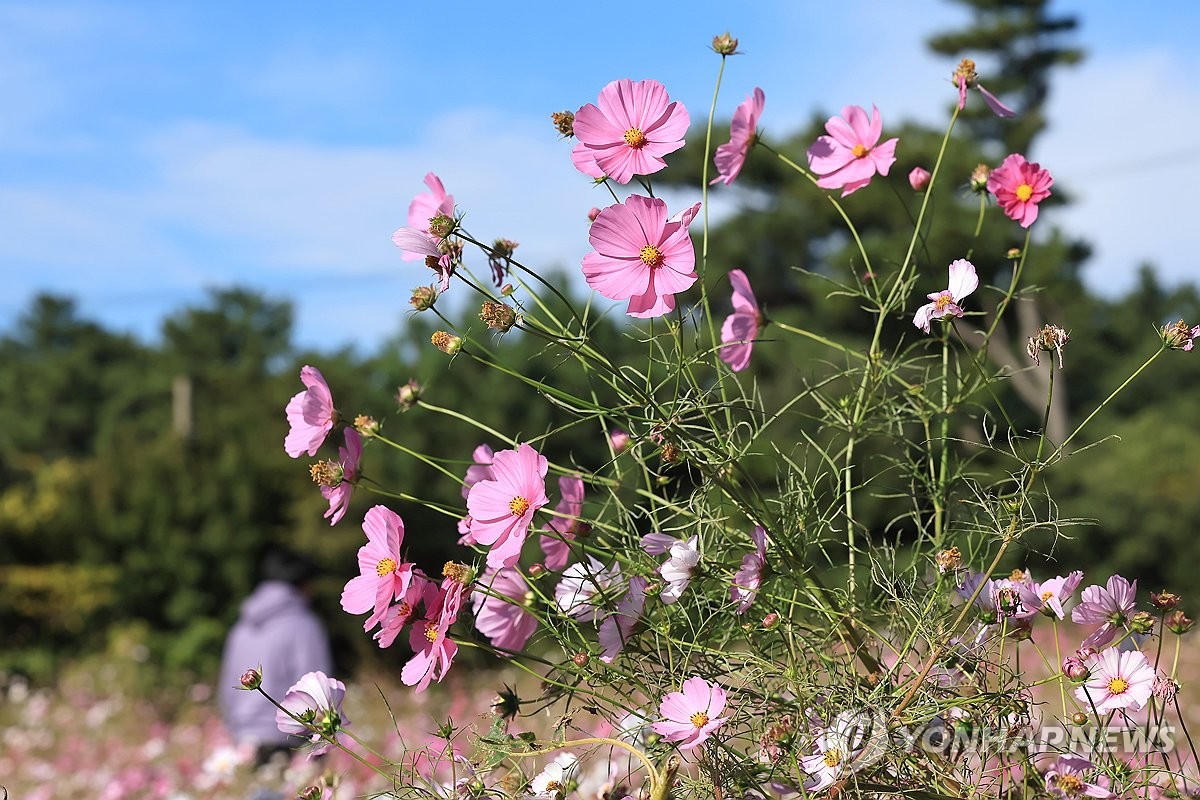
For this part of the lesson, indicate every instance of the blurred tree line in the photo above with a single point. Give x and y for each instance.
(139, 482)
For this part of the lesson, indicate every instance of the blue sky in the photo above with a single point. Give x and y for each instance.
(151, 150)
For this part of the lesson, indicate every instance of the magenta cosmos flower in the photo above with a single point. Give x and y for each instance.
(564, 523)
(1117, 680)
(963, 281)
(1019, 186)
(692, 714)
(731, 156)
(500, 612)
(748, 579)
(338, 495)
(641, 256)
(851, 154)
(433, 649)
(310, 415)
(740, 328)
(635, 125)
(317, 698)
(502, 509)
(384, 575)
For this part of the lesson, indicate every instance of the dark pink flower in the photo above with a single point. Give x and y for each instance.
(635, 125)
(1109, 606)
(317, 699)
(740, 328)
(617, 627)
(918, 179)
(424, 207)
(1019, 186)
(500, 612)
(400, 613)
(748, 579)
(502, 509)
(338, 495)
(692, 714)
(641, 256)
(1117, 680)
(433, 649)
(384, 576)
(963, 281)
(566, 518)
(731, 156)
(310, 415)
(851, 154)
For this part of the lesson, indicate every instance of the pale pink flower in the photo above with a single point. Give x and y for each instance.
(384, 575)
(502, 509)
(1109, 606)
(635, 125)
(317, 699)
(748, 579)
(677, 570)
(740, 328)
(581, 590)
(500, 612)
(422, 244)
(617, 627)
(1066, 779)
(338, 495)
(963, 281)
(641, 256)
(918, 179)
(1117, 680)
(551, 783)
(1048, 596)
(1019, 186)
(564, 523)
(731, 156)
(692, 714)
(310, 415)
(424, 207)
(851, 154)
(840, 749)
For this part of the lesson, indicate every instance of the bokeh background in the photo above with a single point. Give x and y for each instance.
(197, 198)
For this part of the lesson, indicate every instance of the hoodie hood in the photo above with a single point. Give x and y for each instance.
(271, 600)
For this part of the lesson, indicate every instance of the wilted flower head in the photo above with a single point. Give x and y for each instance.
(1178, 622)
(724, 44)
(965, 77)
(1165, 600)
(1019, 186)
(446, 342)
(423, 297)
(338, 491)
(500, 259)
(497, 316)
(1050, 339)
(1178, 336)
(850, 155)
(948, 560)
(564, 121)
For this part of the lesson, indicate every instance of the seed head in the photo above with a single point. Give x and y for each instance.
(446, 342)
(725, 44)
(497, 316)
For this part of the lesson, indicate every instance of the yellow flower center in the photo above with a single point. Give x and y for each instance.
(860, 150)
(1118, 686)
(699, 719)
(942, 302)
(652, 257)
(1046, 596)
(553, 786)
(833, 757)
(1070, 785)
(635, 138)
(1024, 192)
(386, 566)
(431, 632)
(518, 506)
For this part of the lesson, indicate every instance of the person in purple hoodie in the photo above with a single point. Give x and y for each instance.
(276, 632)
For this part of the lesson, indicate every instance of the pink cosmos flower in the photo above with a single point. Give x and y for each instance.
(433, 650)
(748, 579)
(564, 523)
(481, 470)
(677, 570)
(317, 699)
(502, 509)
(1117, 680)
(1066, 779)
(1048, 597)
(503, 619)
(401, 613)
(1019, 186)
(427, 205)
(692, 714)
(740, 328)
(641, 256)
(384, 576)
(963, 281)
(581, 590)
(635, 125)
(422, 244)
(850, 155)
(617, 627)
(731, 156)
(310, 415)
(338, 496)
(1109, 606)
(918, 179)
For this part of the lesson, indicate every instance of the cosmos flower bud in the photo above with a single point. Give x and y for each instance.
(770, 621)
(593, 213)
(423, 297)
(1079, 718)
(366, 426)
(918, 179)
(725, 44)
(1178, 622)
(408, 395)
(251, 679)
(979, 178)
(1142, 622)
(448, 343)
(581, 659)
(507, 290)
(1013, 253)
(1074, 668)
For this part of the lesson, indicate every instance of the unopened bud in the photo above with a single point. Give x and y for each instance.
(979, 178)
(1013, 253)
(593, 213)
(423, 297)
(1178, 336)
(770, 621)
(1142, 622)
(497, 316)
(1178, 622)
(536, 570)
(918, 179)
(309, 793)
(583, 529)
(1079, 718)
(1074, 668)
(618, 440)
(366, 426)
(565, 122)
(446, 342)
(580, 659)
(408, 395)
(251, 679)
(1165, 600)
(441, 225)
(725, 44)
(507, 290)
